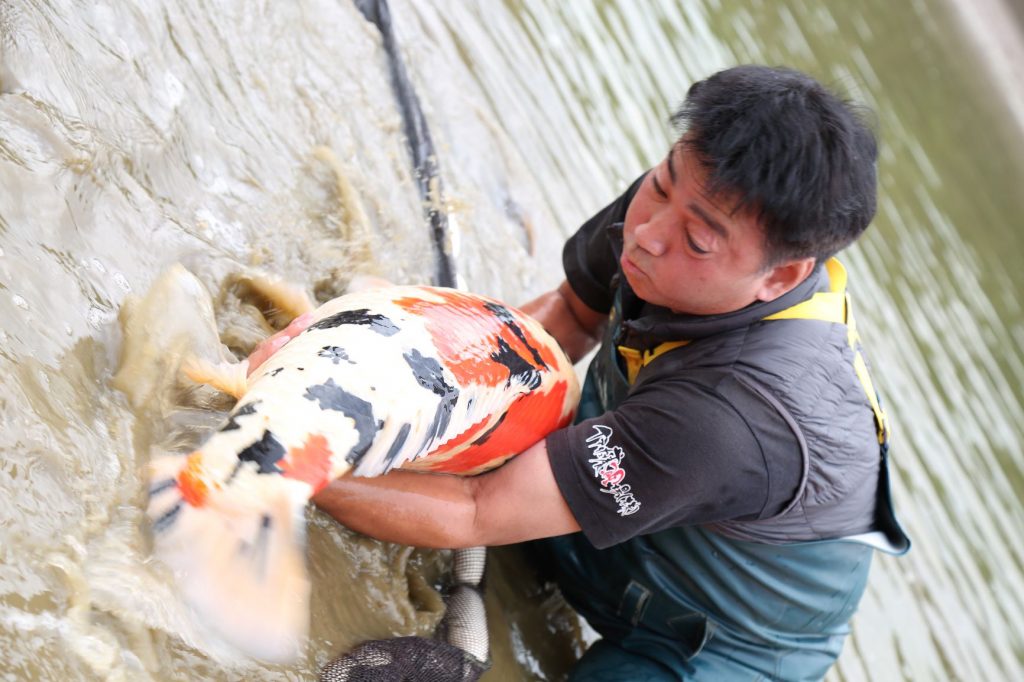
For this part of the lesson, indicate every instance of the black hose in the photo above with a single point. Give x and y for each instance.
(414, 125)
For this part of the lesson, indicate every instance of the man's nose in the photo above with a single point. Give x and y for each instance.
(651, 237)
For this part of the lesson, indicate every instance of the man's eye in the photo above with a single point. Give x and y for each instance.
(693, 245)
(657, 187)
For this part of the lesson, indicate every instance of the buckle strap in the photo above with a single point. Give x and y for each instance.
(832, 306)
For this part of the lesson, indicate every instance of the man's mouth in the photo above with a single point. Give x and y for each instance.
(629, 267)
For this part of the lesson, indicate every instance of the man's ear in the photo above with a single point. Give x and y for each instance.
(782, 278)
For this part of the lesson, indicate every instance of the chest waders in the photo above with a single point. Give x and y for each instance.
(689, 603)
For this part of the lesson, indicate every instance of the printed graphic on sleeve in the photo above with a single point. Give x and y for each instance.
(606, 461)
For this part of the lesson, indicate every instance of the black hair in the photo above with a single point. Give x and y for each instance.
(778, 143)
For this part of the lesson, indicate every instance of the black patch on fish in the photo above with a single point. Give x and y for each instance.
(487, 434)
(165, 521)
(378, 323)
(518, 367)
(430, 375)
(234, 472)
(403, 435)
(247, 409)
(266, 452)
(162, 486)
(505, 315)
(330, 396)
(335, 354)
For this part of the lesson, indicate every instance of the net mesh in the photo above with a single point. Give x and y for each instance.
(465, 622)
(460, 654)
(404, 659)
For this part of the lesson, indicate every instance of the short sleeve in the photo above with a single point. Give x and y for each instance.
(674, 453)
(588, 257)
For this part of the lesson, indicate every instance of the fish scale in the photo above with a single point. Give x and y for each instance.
(422, 378)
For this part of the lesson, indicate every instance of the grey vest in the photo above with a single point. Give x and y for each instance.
(801, 370)
(774, 596)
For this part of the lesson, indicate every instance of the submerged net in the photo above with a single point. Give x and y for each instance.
(461, 652)
(404, 659)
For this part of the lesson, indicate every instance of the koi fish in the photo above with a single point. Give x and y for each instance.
(421, 378)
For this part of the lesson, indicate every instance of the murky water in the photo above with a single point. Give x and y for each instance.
(263, 138)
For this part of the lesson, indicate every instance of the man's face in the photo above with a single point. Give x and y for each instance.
(685, 250)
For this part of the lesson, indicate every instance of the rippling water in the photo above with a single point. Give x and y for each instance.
(264, 138)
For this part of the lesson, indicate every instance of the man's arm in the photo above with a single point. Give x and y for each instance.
(576, 326)
(516, 502)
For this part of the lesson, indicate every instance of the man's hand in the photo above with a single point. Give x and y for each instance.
(271, 345)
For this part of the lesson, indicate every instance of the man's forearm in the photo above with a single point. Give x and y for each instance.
(576, 327)
(435, 510)
(423, 510)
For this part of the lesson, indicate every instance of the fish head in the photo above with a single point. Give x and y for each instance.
(235, 538)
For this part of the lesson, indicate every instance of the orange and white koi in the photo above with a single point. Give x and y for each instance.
(420, 378)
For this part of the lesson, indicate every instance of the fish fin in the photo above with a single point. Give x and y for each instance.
(229, 377)
(277, 300)
(237, 551)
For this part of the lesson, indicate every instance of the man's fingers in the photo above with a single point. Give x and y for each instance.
(299, 324)
(274, 343)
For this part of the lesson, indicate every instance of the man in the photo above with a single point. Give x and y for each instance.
(727, 468)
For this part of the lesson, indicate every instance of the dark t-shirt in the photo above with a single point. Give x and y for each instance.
(681, 448)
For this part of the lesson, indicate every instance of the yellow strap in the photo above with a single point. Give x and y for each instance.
(828, 306)
(831, 306)
(860, 366)
(637, 359)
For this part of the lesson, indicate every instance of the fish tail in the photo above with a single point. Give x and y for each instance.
(236, 545)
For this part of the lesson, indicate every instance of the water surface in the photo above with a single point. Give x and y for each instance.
(264, 138)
